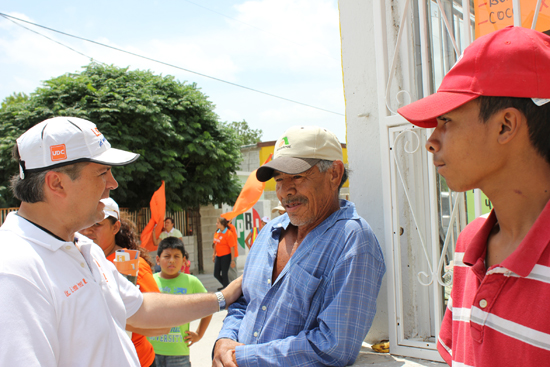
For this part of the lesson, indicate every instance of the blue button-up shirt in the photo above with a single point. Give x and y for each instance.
(320, 308)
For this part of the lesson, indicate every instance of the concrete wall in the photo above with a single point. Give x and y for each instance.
(363, 138)
(209, 215)
(251, 158)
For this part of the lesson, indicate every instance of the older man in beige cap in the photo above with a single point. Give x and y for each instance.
(312, 277)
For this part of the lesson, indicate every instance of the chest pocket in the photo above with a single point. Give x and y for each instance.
(298, 291)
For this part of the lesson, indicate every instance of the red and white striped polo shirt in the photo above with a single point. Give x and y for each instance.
(500, 316)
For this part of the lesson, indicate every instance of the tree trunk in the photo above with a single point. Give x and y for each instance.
(197, 228)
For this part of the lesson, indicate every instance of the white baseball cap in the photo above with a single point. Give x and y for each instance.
(61, 141)
(265, 219)
(299, 149)
(111, 208)
(278, 207)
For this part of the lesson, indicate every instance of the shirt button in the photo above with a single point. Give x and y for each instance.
(264, 308)
(255, 334)
(68, 247)
(82, 264)
(483, 303)
(269, 281)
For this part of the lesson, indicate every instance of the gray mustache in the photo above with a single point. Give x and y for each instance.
(294, 200)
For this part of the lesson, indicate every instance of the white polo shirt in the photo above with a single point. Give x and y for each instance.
(61, 306)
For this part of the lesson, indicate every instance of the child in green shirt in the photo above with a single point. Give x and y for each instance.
(172, 349)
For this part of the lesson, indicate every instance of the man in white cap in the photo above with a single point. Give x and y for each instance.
(312, 277)
(63, 303)
(491, 120)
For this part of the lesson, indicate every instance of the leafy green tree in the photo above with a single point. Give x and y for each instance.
(170, 123)
(14, 98)
(244, 133)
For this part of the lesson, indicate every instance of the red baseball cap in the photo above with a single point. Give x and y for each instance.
(510, 62)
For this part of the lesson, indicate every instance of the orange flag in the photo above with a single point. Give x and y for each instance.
(158, 209)
(250, 194)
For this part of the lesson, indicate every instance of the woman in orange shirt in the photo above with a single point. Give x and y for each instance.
(224, 252)
(115, 233)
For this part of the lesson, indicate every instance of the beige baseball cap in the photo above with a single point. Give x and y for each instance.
(299, 149)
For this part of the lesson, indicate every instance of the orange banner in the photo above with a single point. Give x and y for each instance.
(492, 15)
(250, 194)
(158, 210)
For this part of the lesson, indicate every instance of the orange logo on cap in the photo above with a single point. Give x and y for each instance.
(96, 131)
(58, 152)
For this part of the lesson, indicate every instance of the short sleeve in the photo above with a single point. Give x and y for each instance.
(130, 294)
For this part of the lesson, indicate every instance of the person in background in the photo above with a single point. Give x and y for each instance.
(168, 231)
(232, 273)
(249, 241)
(224, 252)
(172, 350)
(186, 267)
(114, 233)
(279, 209)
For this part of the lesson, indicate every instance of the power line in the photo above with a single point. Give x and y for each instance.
(43, 35)
(9, 17)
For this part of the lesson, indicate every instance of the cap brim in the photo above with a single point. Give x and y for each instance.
(115, 157)
(289, 165)
(425, 111)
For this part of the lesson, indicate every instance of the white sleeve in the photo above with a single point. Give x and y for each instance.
(130, 293)
(29, 324)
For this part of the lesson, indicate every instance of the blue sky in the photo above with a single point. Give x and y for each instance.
(289, 48)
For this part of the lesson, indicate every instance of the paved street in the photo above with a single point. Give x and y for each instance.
(202, 351)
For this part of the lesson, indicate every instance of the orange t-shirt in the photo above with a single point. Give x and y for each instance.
(146, 284)
(235, 238)
(224, 242)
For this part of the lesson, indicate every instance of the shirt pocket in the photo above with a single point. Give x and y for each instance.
(300, 290)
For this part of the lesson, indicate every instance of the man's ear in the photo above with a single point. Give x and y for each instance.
(158, 260)
(54, 184)
(510, 122)
(336, 173)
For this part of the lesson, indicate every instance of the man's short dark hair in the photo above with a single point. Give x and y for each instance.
(31, 189)
(171, 242)
(538, 118)
(170, 219)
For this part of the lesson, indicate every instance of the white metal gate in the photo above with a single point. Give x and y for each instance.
(423, 217)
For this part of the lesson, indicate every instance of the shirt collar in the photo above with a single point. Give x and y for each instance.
(224, 230)
(525, 257)
(25, 229)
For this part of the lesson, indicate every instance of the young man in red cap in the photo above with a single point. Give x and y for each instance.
(492, 130)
